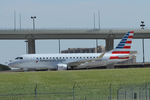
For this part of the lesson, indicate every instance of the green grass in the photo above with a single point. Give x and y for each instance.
(88, 82)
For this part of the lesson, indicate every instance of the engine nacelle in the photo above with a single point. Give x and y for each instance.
(62, 66)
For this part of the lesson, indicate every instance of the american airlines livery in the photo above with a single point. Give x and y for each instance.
(76, 60)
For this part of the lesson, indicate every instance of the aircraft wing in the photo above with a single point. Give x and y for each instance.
(81, 62)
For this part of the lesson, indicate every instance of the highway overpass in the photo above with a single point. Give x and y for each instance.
(108, 34)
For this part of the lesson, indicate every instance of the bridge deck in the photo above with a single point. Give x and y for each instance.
(70, 34)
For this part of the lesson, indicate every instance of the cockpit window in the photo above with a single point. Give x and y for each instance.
(19, 58)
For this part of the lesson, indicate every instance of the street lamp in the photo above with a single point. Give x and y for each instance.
(33, 17)
(142, 27)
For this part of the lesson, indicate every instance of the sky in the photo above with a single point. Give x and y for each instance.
(71, 14)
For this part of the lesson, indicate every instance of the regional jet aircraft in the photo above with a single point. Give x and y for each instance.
(76, 60)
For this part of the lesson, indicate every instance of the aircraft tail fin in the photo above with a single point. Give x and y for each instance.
(125, 44)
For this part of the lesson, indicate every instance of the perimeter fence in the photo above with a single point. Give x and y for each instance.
(78, 91)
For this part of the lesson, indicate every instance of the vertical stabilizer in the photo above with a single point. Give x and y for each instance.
(125, 44)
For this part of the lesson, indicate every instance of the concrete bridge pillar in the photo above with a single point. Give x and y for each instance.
(109, 43)
(31, 46)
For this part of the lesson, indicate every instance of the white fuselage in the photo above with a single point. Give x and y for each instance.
(53, 61)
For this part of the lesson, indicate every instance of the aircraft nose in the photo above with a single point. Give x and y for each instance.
(12, 64)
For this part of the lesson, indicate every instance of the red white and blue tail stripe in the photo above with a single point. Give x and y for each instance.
(123, 47)
(126, 41)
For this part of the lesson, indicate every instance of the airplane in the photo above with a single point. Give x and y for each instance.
(62, 61)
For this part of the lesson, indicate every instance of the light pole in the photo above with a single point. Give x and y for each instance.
(20, 20)
(94, 20)
(59, 45)
(142, 27)
(99, 25)
(96, 51)
(33, 17)
(14, 20)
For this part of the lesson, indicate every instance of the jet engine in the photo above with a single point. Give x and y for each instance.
(62, 66)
